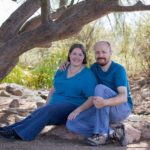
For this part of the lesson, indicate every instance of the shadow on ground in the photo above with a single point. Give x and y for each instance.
(54, 143)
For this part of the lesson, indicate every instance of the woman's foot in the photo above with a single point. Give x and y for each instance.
(9, 134)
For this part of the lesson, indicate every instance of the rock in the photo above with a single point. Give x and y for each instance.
(29, 93)
(3, 86)
(133, 135)
(39, 104)
(145, 134)
(18, 118)
(10, 111)
(14, 90)
(14, 103)
(11, 119)
(24, 112)
(4, 93)
(43, 94)
(142, 82)
(17, 92)
(9, 89)
(62, 132)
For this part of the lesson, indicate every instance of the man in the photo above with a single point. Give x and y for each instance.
(112, 101)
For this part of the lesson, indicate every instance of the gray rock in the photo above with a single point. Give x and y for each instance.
(14, 103)
(17, 92)
(133, 135)
(4, 93)
(39, 104)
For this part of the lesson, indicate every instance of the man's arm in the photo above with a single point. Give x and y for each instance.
(100, 102)
(63, 66)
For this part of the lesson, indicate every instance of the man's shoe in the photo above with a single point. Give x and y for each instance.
(120, 135)
(97, 139)
(9, 134)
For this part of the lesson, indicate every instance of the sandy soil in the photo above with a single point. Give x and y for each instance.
(54, 143)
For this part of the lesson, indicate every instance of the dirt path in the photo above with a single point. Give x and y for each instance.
(53, 143)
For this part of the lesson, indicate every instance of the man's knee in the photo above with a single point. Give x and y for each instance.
(104, 91)
(99, 90)
(101, 86)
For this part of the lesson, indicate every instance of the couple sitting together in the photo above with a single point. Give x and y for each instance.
(87, 100)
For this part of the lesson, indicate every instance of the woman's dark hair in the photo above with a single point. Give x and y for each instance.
(76, 45)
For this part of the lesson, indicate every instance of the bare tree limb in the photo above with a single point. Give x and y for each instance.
(139, 6)
(45, 10)
(36, 21)
(72, 2)
(12, 25)
(62, 3)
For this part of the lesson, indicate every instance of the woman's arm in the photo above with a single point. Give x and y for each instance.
(51, 91)
(84, 106)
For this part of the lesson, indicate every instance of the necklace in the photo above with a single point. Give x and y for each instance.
(72, 72)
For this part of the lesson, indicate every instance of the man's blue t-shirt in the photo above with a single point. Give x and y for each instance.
(74, 90)
(114, 77)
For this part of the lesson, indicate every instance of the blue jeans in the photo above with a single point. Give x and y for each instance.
(50, 114)
(97, 121)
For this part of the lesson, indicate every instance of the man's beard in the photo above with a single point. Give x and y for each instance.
(105, 62)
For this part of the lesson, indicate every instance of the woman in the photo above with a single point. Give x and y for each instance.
(72, 88)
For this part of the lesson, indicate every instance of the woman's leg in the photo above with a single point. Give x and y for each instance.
(48, 114)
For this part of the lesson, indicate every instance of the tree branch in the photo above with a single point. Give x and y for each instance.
(12, 25)
(45, 11)
(36, 21)
(72, 2)
(139, 6)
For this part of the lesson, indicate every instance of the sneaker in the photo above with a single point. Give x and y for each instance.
(9, 134)
(120, 135)
(96, 139)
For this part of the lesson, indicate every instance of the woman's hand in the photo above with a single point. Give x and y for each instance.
(74, 114)
(63, 66)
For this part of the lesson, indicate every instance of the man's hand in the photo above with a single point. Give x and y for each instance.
(74, 114)
(63, 66)
(99, 102)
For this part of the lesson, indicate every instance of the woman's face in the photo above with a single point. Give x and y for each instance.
(76, 57)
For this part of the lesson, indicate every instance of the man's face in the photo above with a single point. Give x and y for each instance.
(102, 54)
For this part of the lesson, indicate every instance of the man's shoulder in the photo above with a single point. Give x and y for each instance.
(118, 66)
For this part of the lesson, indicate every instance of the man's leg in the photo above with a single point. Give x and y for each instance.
(109, 114)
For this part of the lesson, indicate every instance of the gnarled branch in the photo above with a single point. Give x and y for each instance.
(45, 10)
(12, 25)
(139, 6)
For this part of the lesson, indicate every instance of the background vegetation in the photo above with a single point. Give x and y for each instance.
(130, 44)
